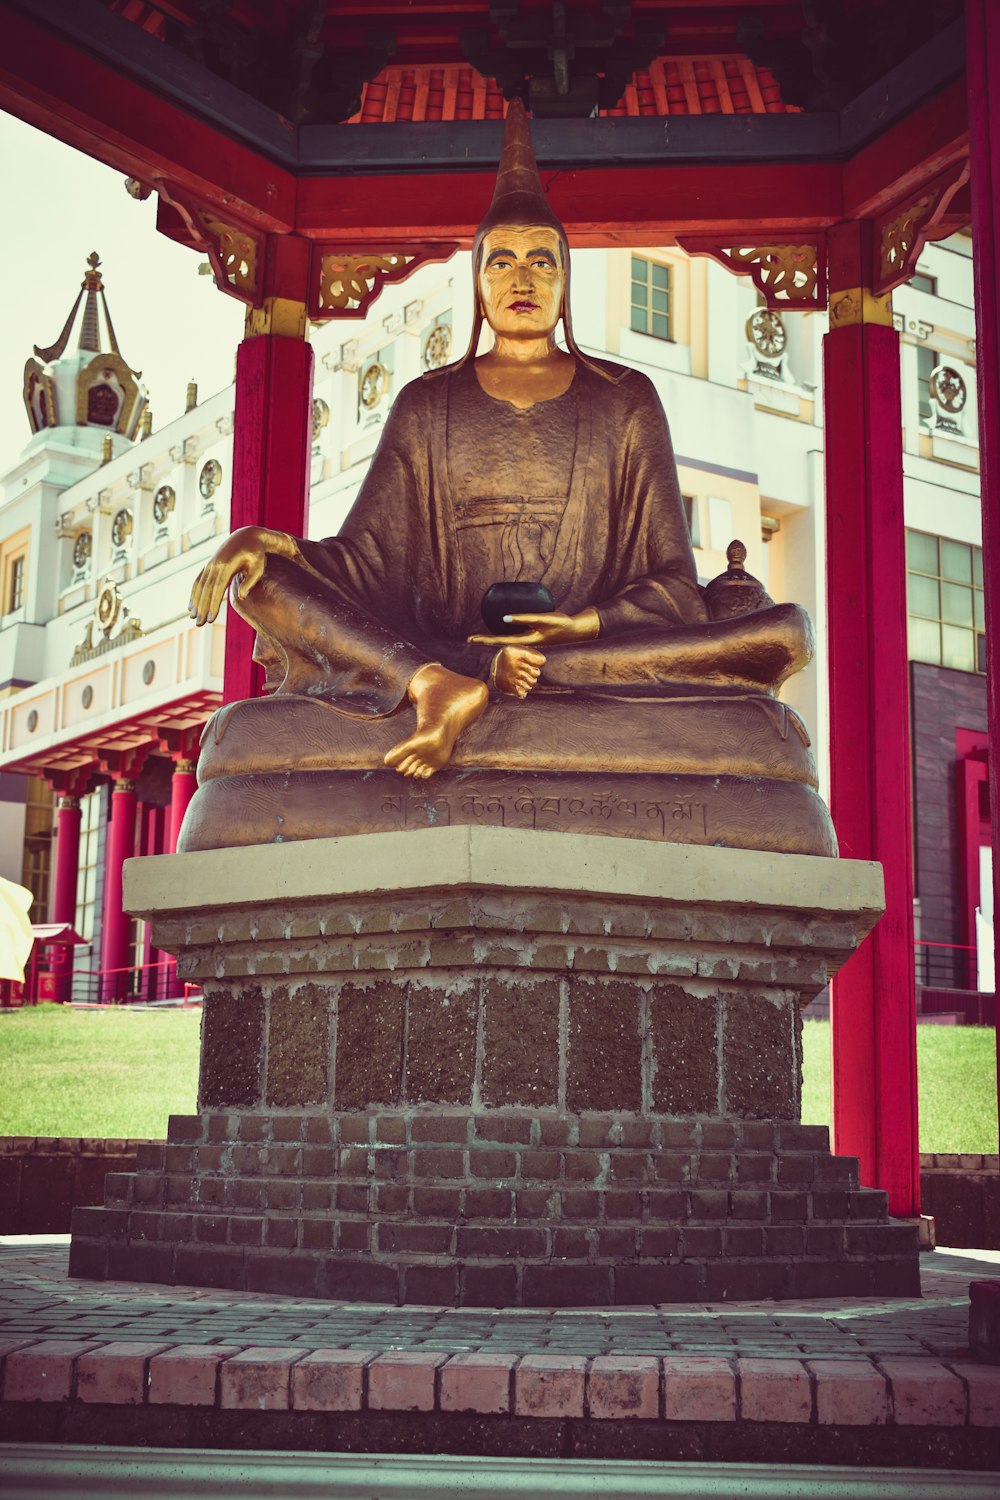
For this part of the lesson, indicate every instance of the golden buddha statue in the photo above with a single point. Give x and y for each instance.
(529, 463)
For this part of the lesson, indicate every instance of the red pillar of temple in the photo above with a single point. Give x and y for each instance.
(183, 785)
(272, 426)
(117, 923)
(982, 36)
(62, 906)
(874, 996)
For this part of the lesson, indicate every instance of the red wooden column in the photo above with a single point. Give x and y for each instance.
(982, 38)
(272, 426)
(64, 877)
(183, 785)
(117, 923)
(874, 996)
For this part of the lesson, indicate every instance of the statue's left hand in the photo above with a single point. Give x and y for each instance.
(552, 629)
(242, 555)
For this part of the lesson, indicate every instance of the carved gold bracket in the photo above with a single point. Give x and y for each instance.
(902, 232)
(233, 249)
(233, 254)
(346, 282)
(789, 275)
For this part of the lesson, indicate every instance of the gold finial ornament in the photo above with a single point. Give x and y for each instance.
(191, 399)
(107, 448)
(735, 592)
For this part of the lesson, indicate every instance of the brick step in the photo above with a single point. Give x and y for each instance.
(424, 1124)
(500, 1240)
(455, 1200)
(618, 1166)
(478, 1281)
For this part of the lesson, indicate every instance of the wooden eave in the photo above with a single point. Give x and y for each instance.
(91, 79)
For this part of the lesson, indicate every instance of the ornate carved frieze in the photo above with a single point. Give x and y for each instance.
(789, 275)
(902, 232)
(115, 622)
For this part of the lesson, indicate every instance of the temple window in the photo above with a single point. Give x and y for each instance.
(944, 601)
(691, 516)
(927, 362)
(36, 857)
(651, 310)
(921, 282)
(92, 818)
(15, 597)
(14, 572)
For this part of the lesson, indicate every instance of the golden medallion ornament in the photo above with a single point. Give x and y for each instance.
(948, 389)
(108, 607)
(374, 385)
(766, 332)
(82, 548)
(210, 478)
(163, 503)
(320, 417)
(121, 527)
(438, 347)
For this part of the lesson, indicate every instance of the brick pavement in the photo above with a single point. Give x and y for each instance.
(854, 1364)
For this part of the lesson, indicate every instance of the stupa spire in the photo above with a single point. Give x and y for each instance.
(93, 387)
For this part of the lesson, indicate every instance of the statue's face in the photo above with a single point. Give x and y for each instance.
(521, 281)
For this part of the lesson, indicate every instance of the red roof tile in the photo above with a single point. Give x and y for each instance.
(681, 86)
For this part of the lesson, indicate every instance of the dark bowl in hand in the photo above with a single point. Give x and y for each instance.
(514, 599)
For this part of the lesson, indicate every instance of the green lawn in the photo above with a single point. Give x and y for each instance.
(957, 1076)
(105, 1072)
(121, 1073)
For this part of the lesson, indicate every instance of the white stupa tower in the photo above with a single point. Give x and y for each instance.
(82, 395)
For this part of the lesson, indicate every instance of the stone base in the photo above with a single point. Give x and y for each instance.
(497, 1209)
(477, 1067)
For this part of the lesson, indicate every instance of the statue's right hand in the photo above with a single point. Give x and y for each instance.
(244, 554)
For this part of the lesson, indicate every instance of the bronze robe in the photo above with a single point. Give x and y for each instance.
(579, 493)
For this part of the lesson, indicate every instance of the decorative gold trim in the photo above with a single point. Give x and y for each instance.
(278, 315)
(854, 305)
(347, 283)
(903, 231)
(95, 374)
(235, 250)
(35, 376)
(784, 272)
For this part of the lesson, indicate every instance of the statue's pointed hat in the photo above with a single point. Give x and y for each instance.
(518, 198)
(519, 201)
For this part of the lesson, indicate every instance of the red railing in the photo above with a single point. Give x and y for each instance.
(46, 980)
(949, 966)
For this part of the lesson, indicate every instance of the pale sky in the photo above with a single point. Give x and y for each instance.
(171, 323)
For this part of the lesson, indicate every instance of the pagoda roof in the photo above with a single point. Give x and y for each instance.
(376, 123)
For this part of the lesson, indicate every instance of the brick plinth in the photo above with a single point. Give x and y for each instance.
(481, 1092)
(501, 1208)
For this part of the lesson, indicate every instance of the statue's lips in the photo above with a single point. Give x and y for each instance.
(523, 306)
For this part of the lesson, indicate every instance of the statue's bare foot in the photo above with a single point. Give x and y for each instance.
(517, 670)
(446, 703)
